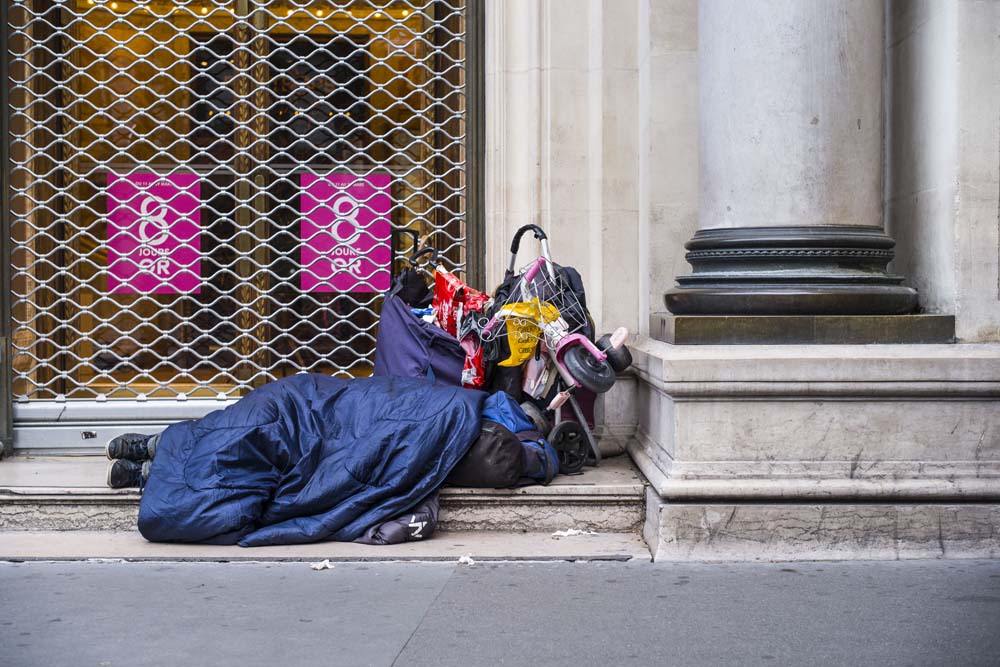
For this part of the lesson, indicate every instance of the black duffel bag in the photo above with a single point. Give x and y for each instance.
(495, 460)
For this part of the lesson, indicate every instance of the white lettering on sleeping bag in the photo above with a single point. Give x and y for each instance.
(418, 526)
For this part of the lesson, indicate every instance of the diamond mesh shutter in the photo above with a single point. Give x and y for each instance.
(237, 106)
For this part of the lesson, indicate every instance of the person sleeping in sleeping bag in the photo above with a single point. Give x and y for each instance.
(310, 458)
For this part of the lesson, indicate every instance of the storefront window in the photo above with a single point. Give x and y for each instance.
(178, 172)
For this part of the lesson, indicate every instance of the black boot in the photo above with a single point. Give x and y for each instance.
(123, 473)
(132, 446)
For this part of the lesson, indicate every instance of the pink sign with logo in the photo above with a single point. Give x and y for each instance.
(154, 223)
(345, 233)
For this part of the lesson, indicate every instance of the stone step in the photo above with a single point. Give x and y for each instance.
(479, 545)
(60, 493)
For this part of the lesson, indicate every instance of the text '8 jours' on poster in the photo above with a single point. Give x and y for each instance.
(345, 233)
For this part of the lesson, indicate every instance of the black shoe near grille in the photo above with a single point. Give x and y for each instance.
(123, 473)
(130, 446)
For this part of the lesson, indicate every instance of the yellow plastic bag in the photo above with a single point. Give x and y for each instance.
(523, 319)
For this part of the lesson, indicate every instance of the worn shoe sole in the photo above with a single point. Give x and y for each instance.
(111, 467)
(142, 473)
(107, 445)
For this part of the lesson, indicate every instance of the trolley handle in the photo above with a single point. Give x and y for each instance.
(516, 244)
(420, 253)
(396, 234)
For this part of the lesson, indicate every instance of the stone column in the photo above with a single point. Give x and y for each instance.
(790, 210)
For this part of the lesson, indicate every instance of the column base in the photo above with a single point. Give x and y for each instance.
(821, 270)
(801, 329)
(762, 299)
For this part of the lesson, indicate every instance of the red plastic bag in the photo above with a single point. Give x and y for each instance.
(458, 310)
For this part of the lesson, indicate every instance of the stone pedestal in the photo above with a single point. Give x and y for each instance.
(821, 531)
(819, 451)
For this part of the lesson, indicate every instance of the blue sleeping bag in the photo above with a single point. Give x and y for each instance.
(305, 459)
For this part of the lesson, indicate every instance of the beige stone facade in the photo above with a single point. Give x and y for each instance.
(617, 128)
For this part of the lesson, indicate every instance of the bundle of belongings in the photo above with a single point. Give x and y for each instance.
(312, 457)
(435, 334)
(431, 333)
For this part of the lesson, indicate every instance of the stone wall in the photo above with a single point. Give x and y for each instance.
(943, 157)
(562, 141)
(668, 154)
(781, 451)
(592, 115)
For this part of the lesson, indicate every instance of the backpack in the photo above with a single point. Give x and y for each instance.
(508, 452)
(495, 460)
(407, 346)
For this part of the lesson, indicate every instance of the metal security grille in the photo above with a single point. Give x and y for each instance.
(228, 120)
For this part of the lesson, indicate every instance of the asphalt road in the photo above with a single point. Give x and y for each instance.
(598, 613)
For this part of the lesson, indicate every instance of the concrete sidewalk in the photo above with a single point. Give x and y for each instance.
(604, 613)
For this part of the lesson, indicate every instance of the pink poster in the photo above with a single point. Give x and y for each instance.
(345, 233)
(154, 245)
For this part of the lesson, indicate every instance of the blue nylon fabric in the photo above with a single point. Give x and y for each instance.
(504, 410)
(541, 459)
(541, 462)
(305, 459)
(407, 346)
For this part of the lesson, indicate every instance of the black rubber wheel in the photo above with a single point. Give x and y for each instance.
(619, 359)
(591, 373)
(536, 416)
(570, 443)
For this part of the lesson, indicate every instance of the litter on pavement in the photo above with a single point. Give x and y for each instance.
(571, 532)
(322, 565)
